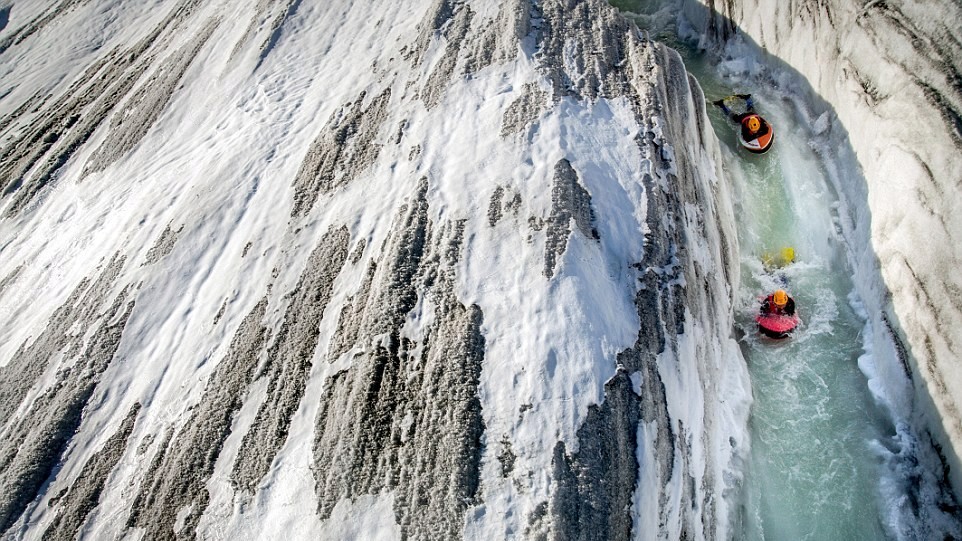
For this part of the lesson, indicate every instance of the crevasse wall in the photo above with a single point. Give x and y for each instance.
(891, 72)
(421, 270)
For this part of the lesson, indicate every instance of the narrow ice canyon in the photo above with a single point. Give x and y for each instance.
(465, 269)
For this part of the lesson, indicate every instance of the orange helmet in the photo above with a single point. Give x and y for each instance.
(753, 124)
(780, 298)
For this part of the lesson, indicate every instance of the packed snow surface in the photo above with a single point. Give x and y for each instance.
(347, 270)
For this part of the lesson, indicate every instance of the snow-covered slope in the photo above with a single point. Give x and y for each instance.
(888, 77)
(337, 269)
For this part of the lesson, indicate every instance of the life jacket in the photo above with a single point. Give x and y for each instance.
(776, 322)
(769, 306)
(759, 141)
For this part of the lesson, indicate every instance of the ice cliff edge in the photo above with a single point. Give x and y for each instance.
(419, 270)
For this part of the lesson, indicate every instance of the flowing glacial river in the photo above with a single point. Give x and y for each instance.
(817, 468)
(814, 472)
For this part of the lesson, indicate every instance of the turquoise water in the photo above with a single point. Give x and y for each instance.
(812, 472)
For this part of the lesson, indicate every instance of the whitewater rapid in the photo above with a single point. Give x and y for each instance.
(813, 472)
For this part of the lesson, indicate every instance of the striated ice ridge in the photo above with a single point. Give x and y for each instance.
(431, 271)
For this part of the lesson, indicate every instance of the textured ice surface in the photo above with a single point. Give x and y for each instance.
(413, 270)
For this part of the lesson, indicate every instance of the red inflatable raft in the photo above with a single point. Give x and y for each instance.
(777, 325)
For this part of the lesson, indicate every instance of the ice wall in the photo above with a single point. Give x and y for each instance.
(420, 270)
(891, 72)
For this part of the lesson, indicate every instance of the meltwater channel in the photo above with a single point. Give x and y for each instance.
(814, 470)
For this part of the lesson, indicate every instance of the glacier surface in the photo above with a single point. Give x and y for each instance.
(407, 270)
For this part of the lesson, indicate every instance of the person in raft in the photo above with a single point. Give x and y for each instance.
(754, 127)
(777, 318)
(779, 304)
